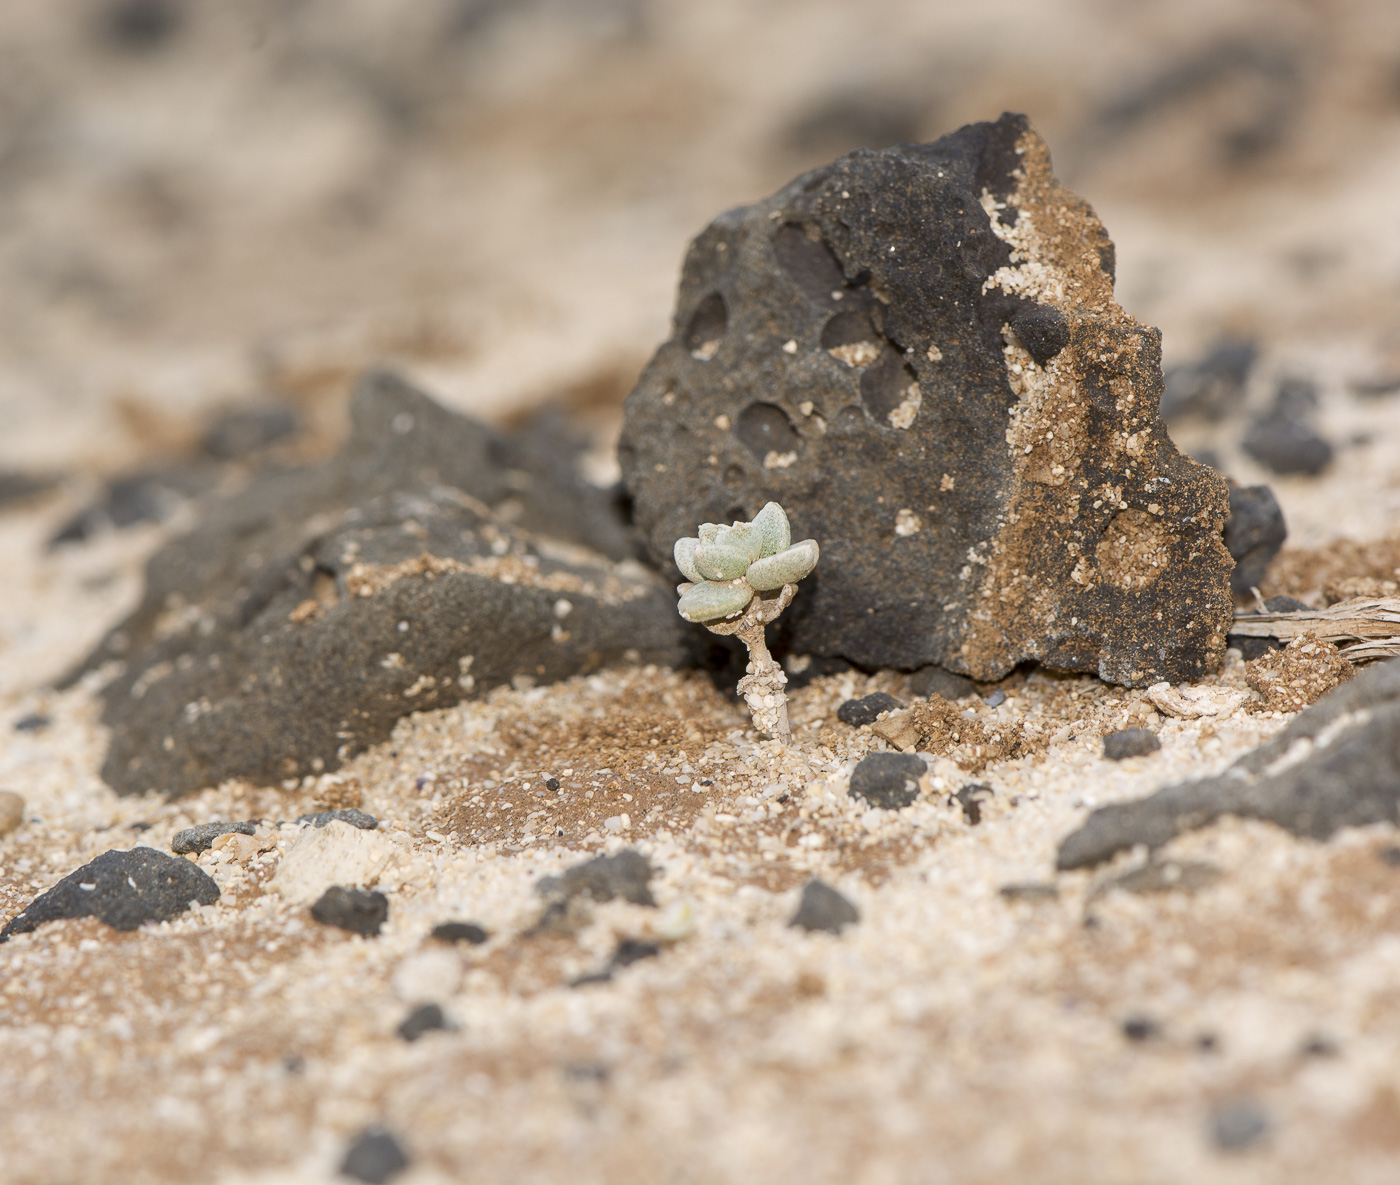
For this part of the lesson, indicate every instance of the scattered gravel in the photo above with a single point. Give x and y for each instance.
(426, 1018)
(11, 811)
(468, 932)
(356, 818)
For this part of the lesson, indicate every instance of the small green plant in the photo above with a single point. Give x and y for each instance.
(741, 578)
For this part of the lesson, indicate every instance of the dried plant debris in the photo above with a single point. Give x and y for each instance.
(124, 889)
(306, 614)
(937, 324)
(1336, 764)
(1360, 630)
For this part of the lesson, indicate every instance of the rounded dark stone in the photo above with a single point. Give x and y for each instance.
(360, 911)
(1130, 742)
(199, 838)
(355, 817)
(867, 709)
(888, 780)
(460, 932)
(124, 889)
(1239, 1125)
(823, 908)
(935, 680)
(426, 1018)
(374, 1157)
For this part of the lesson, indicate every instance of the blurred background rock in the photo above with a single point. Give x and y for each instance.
(208, 206)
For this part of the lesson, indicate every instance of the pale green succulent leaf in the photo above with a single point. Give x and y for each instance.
(709, 532)
(715, 562)
(710, 602)
(787, 567)
(685, 559)
(772, 523)
(745, 537)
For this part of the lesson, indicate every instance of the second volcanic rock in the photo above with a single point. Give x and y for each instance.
(918, 353)
(431, 559)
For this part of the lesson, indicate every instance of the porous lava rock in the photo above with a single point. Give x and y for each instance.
(1336, 765)
(124, 889)
(917, 353)
(429, 560)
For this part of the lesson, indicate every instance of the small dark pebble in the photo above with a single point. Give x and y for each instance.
(1285, 605)
(935, 680)
(32, 723)
(356, 818)
(1213, 386)
(1254, 532)
(124, 889)
(1130, 742)
(20, 487)
(460, 932)
(242, 432)
(199, 838)
(633, 950)
(1141, 1028)
(1284, 443)
(823, 908)
(866, 710)
(1029, 891)
(1390, 856)
(1207, 1043)
(1318, 1046)
(970, 799)
(602, 878)
(374, 1157)
(1162, 876)
(426, 1018)
(585, 1071)
(140, 826)
(888, 780)
(593, 977)
(1374, 388)
(359, 911)
(996, 699)
(1239, 1125)
(552, 784)
(1251, 647)
(293, 1063)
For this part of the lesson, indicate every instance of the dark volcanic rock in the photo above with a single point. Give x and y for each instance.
(1282, 439)
(356, 818)
(1239, 1125)
(1251, 647)
(867, 709)
(1212, 387)
(431, 559)
(460, 932)
(1351, 780)
(1130, 742)
(823, 908)
(888, 780)
(375, 1157)
(973, 440)
(149, 496)
(934, 680)
(602, 878)
(361, 911)
(426, 1018)
(238, 433)
(199, 838)
(1254, 532)
(124, 889)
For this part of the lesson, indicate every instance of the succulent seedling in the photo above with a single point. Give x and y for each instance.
(740, 578)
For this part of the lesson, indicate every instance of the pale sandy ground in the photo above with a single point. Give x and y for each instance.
(272, 202)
